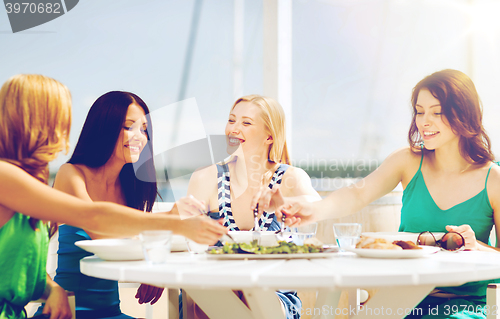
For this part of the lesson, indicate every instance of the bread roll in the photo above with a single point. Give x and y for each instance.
(376, 243)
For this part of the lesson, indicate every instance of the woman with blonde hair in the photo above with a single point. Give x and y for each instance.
(35, 117)
(256, 138)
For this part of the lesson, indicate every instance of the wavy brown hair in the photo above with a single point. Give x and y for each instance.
(461, 107)
(35, 120)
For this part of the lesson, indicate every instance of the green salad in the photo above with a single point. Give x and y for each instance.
(253, 248)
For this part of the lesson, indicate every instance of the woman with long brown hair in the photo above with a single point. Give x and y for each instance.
(450, 182)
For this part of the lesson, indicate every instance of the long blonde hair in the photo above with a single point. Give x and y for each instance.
(274, 118)
(35, 120)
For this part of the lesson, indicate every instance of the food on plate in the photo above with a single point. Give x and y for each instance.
(381, 243)
(376, 243)
(406, 244)
(253, 248)
(313, 241)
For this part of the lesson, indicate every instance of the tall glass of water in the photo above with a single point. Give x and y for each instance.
(347, 235)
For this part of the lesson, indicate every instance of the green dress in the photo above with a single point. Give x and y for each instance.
(23, 258)
(420, 213)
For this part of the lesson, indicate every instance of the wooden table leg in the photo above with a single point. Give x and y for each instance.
(173, 303)
(264, 303)
(393, 302)
(326, 304)
(220, 304)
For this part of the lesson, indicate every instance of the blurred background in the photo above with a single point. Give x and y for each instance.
(349, 66)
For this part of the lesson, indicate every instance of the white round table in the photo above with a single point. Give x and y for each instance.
(402, 283)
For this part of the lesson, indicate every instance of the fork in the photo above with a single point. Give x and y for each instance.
(279, 232)
(282, 228)
(256, 233)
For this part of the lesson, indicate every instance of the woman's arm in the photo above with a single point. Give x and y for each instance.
(348, 200)
(22, 193)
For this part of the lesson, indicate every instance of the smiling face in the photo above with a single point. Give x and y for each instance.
(246, 128)
(133, 136)
(431, 123)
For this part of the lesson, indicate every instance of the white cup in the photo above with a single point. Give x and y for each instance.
(301, 233)
(347, 234)
(156, 245)
(195, 248)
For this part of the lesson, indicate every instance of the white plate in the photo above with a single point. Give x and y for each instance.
(392, 236)
(271, 256)
(389, 253)
(124, 249)
(113, 249)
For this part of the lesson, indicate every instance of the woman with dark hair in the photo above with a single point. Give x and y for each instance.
(448, 176)
(113, 162)
(35, 119)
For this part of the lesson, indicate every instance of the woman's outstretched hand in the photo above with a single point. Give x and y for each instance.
(189, 206)
(148, 294)
(297, 212)
(202, 229)
(267, 199)
(468, 235)
(196, 225)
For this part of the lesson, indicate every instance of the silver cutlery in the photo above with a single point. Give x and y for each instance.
(279, 232)
(255, 233)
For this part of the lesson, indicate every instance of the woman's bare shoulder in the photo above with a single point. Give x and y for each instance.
(405, 155)
(203, 184)
(296, 182)
(204, 173)
(70, 176)
(403, 163)
(69, 168)
(7, 166)
(493, 186)
(494, 175)
(295, 172)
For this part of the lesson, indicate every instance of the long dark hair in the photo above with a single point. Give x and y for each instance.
(461, 106)
(98, 139)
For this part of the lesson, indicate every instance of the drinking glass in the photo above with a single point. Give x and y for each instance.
(347, 234)
(195, 248)
(156, 245)
(301, 233)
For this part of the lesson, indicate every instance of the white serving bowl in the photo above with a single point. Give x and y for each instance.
(267, 238)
